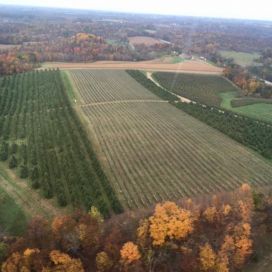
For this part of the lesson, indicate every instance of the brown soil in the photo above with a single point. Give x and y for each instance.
(192, 66)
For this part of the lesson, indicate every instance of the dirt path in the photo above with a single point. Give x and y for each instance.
(191, 66)
(30, 201)
(181, 98)
(124, 101)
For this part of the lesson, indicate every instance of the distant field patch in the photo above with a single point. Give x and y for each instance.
(7, 46)
(241, 58)
(262, 111)
(246, 101)
(201, 88)
(190, 66)
(148, 41)
(152, 151)
(172, 59)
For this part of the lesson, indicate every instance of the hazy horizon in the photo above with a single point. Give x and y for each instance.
(211, 8)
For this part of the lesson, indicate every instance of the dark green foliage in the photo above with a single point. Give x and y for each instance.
(3, 251)
(13, 162)
(148, 84)
(53, 148)
(23, 172)
(4, 152)
(258, 200)
(13, 148)
(12, 218)
(249, 132)
(34, 174)
(239, 102)
(200, 88)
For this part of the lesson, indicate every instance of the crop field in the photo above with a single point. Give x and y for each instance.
(153, 151)
(241, 58)
(43, 141)
(117, 85)
(148, 41)
(204, 89)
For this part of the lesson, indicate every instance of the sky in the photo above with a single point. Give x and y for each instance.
(244, 9)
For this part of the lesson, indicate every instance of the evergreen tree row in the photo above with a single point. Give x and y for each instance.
(247, 131)
(42, 136)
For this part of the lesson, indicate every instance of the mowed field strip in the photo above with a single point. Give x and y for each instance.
(153, 151)
(190, 66)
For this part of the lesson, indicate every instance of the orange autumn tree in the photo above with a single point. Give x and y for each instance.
(63, 262)
(21, 262)
(206, 234)
(130, 253)
(170, 222)
(242, 243)
(207, 257)
(210, 214)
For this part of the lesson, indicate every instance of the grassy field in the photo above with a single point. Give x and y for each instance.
(172, 59)
(12, 218)
(214, 91)
(262, 111)
(246, 101)
(200, 88)
(152, 151)
(241, 58)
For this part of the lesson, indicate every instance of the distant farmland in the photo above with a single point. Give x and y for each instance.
(8, 46)
(241, 58)
(204, 89)
(152, 151)
(191, 66)
(148, 41)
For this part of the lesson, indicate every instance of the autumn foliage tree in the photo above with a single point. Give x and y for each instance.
(169, 222)
(210, 234)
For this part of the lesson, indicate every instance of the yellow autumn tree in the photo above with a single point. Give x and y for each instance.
(63, 262)
(243, 250)
(20, 262)
(95, 213)
(143, 232)
(210, 214)
(170, 222)
(226, 209)
(222, 264)
(129, 253)
(103, 262)
(207, 257)
(245, 210)
(228, 245)
(12, 264)
(242, 244)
